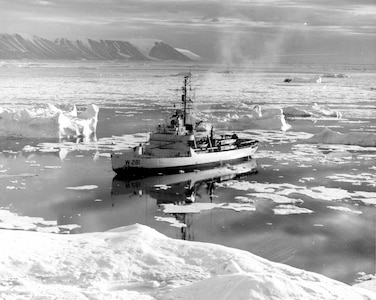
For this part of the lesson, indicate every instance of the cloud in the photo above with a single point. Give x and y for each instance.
(44, 2)
(252, 28)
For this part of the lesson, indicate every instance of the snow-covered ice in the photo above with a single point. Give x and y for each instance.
(137, 263)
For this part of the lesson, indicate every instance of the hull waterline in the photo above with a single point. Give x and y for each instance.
(129, 162)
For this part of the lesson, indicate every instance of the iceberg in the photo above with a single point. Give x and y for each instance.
(335, 75)
(269, 118)
(137, 262)
(48, 121)
(316, 79)
(325, 111)
(328, 136)
(311, 111)
(292, 111)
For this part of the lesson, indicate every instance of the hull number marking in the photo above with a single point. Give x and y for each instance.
(133, 162)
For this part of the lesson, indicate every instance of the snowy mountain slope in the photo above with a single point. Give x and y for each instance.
(32, 47)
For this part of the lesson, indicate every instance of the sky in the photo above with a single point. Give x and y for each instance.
(293, 31)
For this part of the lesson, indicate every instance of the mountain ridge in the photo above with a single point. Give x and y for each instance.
(17, 46)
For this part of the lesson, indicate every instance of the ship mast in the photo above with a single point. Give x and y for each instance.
(185, 98)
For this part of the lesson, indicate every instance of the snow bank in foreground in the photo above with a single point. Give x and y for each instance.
(328, 136)
(48, 121)
(136, 262)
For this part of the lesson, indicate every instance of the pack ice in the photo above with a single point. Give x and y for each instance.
(48, 121)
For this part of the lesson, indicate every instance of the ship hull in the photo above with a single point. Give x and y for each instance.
(129, 162)
(128, 185)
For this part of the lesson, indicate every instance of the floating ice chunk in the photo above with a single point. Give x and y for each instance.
(368, 198)
(17, 175)
(48, 121)
(308, 178)
(238, 206)
(290, 210)
(345, 209)
(328, 136)
(82, 187)
(9, 220)
(243, 199)
(315, 79)
(276, 198)
(355, 179)
(172, 221)
(188, 209)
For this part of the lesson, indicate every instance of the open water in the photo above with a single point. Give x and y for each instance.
(311, 206)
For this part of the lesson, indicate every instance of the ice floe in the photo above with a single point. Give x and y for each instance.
(276, 198)
(287, 209)
(368, 198)
(345, 209)
(48, 121)
(136, 262)
(356, 179)
(22, 175)
(238, 206)
(198, 207)
(172, 221)
(286, 193)
(193, 208)
(114, 143)
(82, 187)
(10, 220)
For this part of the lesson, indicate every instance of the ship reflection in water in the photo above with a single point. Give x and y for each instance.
(179, 196)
